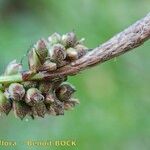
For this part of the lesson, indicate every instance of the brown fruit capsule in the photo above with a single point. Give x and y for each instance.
(81, 50)
(20, 109)
(41, 49)
(33, 96)
(5, 105)
(69, 39)
(71, 104)
(13, 68)
(72, 54)
(57, 53)
(58, 107)
(50, 110)
(16, 91)
(45, 87)
(34, 60)
(50, 98)
(65, 91)
(39, 110)
(54, 39)
(58, 81)
(48, 66)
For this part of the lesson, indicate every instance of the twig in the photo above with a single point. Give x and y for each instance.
(130, 38)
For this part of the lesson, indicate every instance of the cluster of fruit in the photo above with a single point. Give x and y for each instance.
(38, 98)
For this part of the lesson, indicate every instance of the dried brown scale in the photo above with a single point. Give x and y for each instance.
(16, 91)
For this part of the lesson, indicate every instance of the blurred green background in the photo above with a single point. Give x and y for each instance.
(115, 104)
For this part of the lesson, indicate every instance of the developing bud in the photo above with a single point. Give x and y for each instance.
(54, 38)
(57, 53)
(45, 87)
(16, 91)
(5, 105)
(33, 96)
(39, 109)
(41, 49)
(81, 49)
(48, 66)
(71, 103)
(64, 92)
(34, 60)
(72, 54)
(29, 84)
(69, 39)
(20, 109)
(13, 68)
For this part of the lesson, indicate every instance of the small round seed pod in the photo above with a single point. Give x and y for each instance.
(16, 91)
(13, 68)
(69, 39)
(29, 84)
(33, 96)
(41, 49)
(65, 91)
(34, 60)
(54, 38)
(21, 109)
(45, 87)
(5, 104)
(81, 49)
(48, 66)
(72, 54)
(39, 110)
(57, 53)
(71, 103)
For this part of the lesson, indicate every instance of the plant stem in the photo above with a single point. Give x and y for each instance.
(17, 78)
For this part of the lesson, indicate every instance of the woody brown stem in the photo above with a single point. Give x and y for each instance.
(130, 38)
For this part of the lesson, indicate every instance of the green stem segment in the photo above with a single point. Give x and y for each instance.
(11, 78)
(17, 78)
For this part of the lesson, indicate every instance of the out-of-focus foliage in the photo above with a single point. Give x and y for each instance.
(115, 103)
